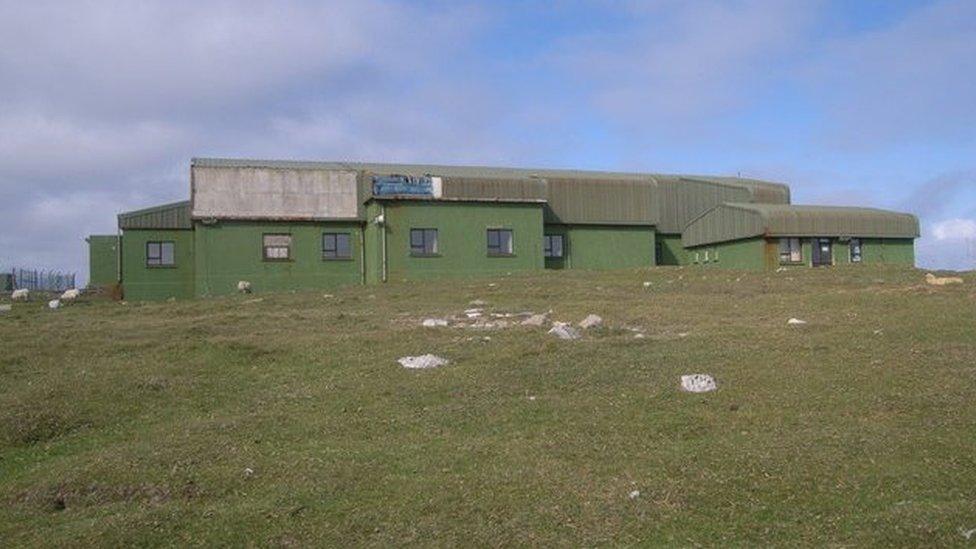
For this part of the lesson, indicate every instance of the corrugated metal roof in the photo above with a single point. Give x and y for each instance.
(586, 200)
(419, 169)
(684, 198)
(167, 216)
(735, 221)
(575, 196)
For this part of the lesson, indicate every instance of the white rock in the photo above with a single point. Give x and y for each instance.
(634, 494)
(591, 321)
(796, 322)
(478, 303)
(564, 331)
(422, 362)
(5, 308)
(639, 336)
(54, 304)
(647, 284)
(683, 334)
(698, 383)
(492, 285)
(434, 322)
(781, 270)
(22, 294)
(243, 286)
(248, 472)
(327, 296)
(536, 320)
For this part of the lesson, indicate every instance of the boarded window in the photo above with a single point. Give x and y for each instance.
(423, 242)
(855, 250)
(160, 254)
(553, 245)
(277, 247)
(500, 242)
(790, 250)
(336, 246)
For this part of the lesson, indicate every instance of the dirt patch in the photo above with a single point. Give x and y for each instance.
(67, 496)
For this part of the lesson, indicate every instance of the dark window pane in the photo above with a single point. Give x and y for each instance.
(167, 253)
(417, 238)
(430, 241)
(557, 246)
(329, 243)
(505, 241)
(343, 249)
(152, 253)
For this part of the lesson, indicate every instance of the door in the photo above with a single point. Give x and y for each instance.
(822, 253)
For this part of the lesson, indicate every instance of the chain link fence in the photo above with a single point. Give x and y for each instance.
(40, 280)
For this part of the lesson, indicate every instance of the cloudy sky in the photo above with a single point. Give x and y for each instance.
(102, 104)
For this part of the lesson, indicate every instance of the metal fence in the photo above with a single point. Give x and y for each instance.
(45, 281)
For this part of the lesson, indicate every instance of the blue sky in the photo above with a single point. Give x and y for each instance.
(102, 104)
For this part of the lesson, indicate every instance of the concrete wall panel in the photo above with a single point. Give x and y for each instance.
(274, 193)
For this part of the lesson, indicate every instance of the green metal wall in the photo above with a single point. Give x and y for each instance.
(231, 251)
(103, 263)
(763, 253)
(462, 240)
(600, 247)
(671, 250)
(748, 254)
(143, 283)
(892, 251)
(374, 244)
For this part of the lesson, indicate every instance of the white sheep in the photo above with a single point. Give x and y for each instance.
(244, 287)
(70, 295)
(22, 294)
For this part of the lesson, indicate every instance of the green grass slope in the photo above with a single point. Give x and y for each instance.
(285, 419)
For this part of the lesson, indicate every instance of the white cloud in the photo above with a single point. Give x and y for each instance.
(954, 229)
(913, 80)
(687, 62)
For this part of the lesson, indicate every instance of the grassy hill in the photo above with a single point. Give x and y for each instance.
(285, 419)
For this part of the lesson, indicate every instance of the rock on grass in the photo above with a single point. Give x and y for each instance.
(422, 362)
(698, 383)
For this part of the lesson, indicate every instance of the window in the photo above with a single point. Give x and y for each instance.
(855, 250)
(160, 254)
(552, 245)
(277, 247)
(423, 242)
(336, 246)
(499, 242)
(790, 250)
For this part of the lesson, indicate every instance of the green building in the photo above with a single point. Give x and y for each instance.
(282, 225)
(103, 260)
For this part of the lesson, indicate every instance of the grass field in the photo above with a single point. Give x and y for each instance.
(285, 419)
